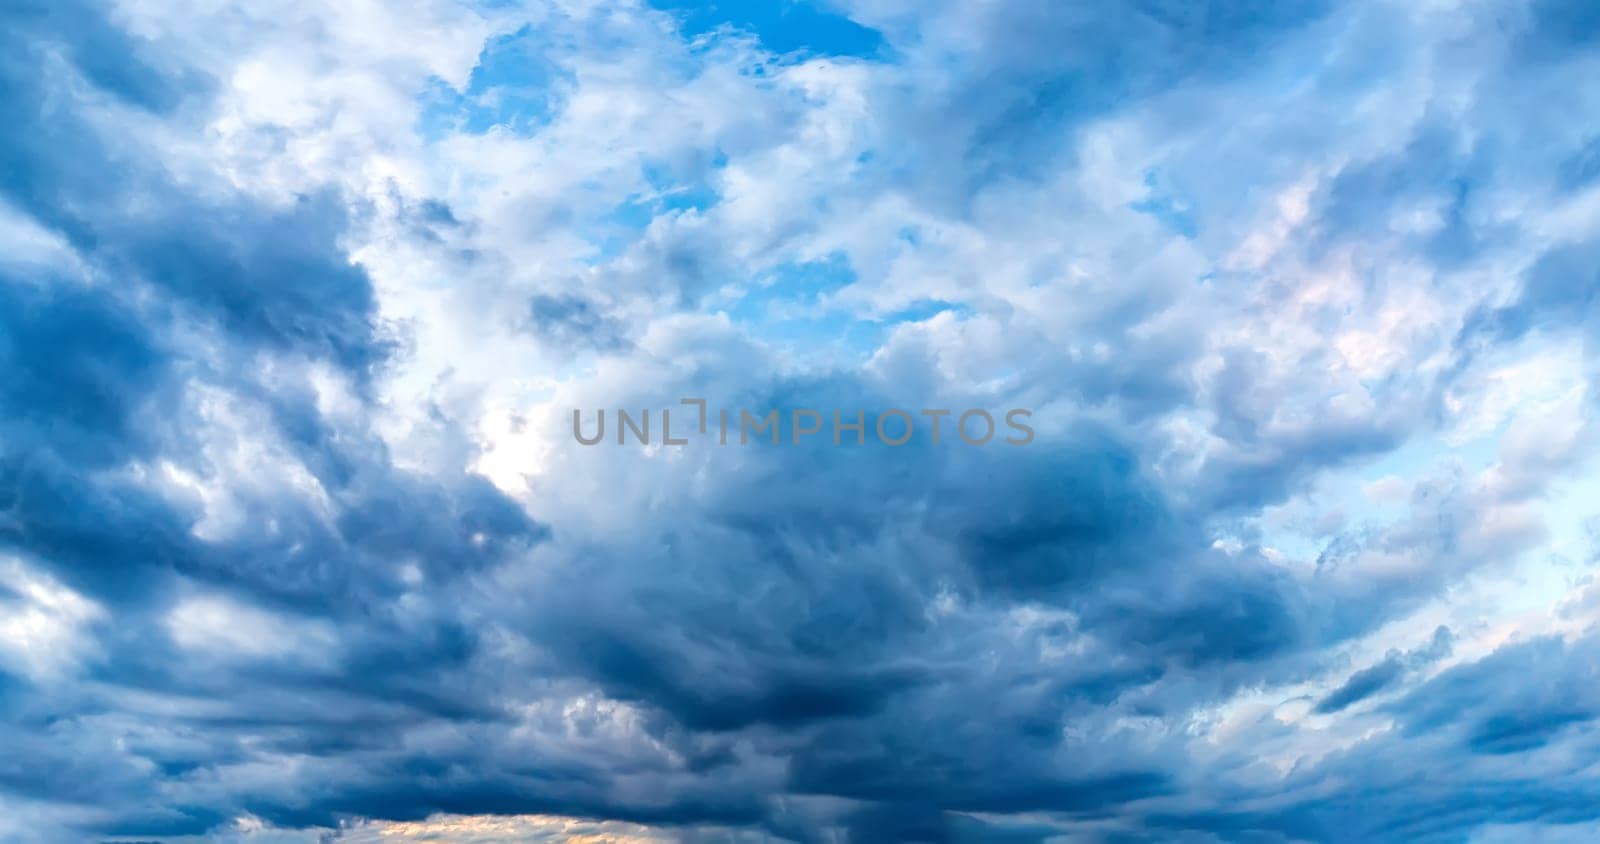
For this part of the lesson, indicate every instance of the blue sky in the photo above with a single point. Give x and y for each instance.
(296, 300)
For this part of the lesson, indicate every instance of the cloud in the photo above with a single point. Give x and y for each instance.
(296, 301)
(1373, 679)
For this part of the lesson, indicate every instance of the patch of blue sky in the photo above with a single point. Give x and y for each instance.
(923, 310)
(1354, 491)
(1169, 205)
(1572, 514)
(667, 194)
(805, 27)
(793, 288)
(513, 87)
(1582, 168)
(827, 337)
(795, 308)
(674, 193)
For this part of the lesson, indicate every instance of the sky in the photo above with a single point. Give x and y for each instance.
(297, 300)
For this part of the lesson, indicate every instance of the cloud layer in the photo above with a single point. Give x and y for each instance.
(296, 300)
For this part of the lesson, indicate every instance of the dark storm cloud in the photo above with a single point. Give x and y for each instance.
(1443, 770)
(1519, 698)
(180, 288)
(1369, 681)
